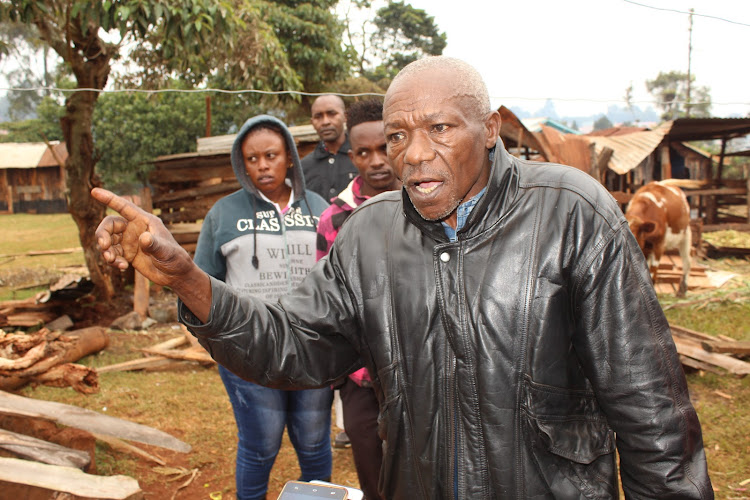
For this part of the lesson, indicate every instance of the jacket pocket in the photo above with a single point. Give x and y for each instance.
(570, 442)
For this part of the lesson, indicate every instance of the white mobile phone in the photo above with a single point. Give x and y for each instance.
(299, 490)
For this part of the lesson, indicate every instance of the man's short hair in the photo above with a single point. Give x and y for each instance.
(369, 110)
(469, 82)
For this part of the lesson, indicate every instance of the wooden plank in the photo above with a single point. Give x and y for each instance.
(150, 363)
(69, 480)
(738, 348)
(698, 365)
(120, 445)
(693, 349)
(680, 331)
(190, 354)
(715, 191)
(91, 421)
(195, 192)
(38, 450)
(726, 227)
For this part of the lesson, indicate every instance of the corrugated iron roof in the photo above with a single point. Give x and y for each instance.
(513, 131)
(701, 129)
(607, 132)
(535, 125)
(21, 154)
(629, 150)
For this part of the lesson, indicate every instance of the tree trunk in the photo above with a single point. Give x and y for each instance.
(81, 176)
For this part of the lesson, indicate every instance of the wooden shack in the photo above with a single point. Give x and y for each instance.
(32, 177)
(186, 185)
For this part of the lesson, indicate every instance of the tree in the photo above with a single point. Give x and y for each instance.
(311, 35)
(670, 90)
(404, 34)
(171, 37)
(129, 129)
(21, 42)
(602, 123)
(394, 36)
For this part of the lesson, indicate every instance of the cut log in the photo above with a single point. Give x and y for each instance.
(31, 448)
(89, 420)
(82, 379)
(69, 480)
(65, 349)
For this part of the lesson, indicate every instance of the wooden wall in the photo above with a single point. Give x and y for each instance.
(32, 190)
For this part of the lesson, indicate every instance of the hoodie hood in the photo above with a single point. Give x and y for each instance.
(238, 164)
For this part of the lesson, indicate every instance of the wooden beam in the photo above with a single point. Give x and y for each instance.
(91, 421)
(38, 450)
(69, 480)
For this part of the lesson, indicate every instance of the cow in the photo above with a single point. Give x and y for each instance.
(659, 217)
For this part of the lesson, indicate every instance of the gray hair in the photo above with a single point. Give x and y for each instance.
(470, 84)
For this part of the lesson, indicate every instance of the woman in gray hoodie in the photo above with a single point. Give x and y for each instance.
(261, 240)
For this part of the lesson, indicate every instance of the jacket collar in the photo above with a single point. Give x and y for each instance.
(321, 152)
(501, 191)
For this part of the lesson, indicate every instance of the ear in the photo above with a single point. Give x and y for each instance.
(351, 155)
(492, 126)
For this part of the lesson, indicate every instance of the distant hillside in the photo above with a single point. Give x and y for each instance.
(615, 114)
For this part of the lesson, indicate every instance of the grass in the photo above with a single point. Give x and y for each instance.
(23, 276)
(192, 404)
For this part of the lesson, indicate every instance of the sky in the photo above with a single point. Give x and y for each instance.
(579, 51)
(583, 54)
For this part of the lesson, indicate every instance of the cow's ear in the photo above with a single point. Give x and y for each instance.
(648, 227)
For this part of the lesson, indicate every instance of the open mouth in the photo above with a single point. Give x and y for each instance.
(427, 187)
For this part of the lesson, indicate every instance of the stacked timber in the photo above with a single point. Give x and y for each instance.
(720, 355)
(186, 185)
(38, 461)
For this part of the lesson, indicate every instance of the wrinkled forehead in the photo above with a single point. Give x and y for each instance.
(427, 92)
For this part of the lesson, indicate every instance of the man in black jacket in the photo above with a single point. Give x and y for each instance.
(328, 168)
(502, 306)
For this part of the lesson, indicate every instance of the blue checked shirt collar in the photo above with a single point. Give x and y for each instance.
(462, 213)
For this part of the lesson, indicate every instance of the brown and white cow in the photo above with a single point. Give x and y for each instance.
(659, 217)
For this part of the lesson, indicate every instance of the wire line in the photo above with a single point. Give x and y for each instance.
(688, 13)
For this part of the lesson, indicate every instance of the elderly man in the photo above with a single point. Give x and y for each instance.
(502, 306)
(328, 168)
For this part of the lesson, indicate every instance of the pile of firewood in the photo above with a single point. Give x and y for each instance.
(48, 357)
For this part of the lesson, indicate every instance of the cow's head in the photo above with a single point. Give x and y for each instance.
(642, 230)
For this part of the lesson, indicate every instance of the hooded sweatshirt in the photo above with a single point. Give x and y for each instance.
(246, 242)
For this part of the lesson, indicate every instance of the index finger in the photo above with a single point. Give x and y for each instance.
(122, 206)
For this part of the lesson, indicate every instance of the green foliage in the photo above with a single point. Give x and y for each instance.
(404, 34)
(131, 129)
(46, 125)
(671, 88)
(602, 123)
(311, 36)
(397, 35)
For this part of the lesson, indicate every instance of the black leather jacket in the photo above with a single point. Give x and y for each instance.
(509, 363)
